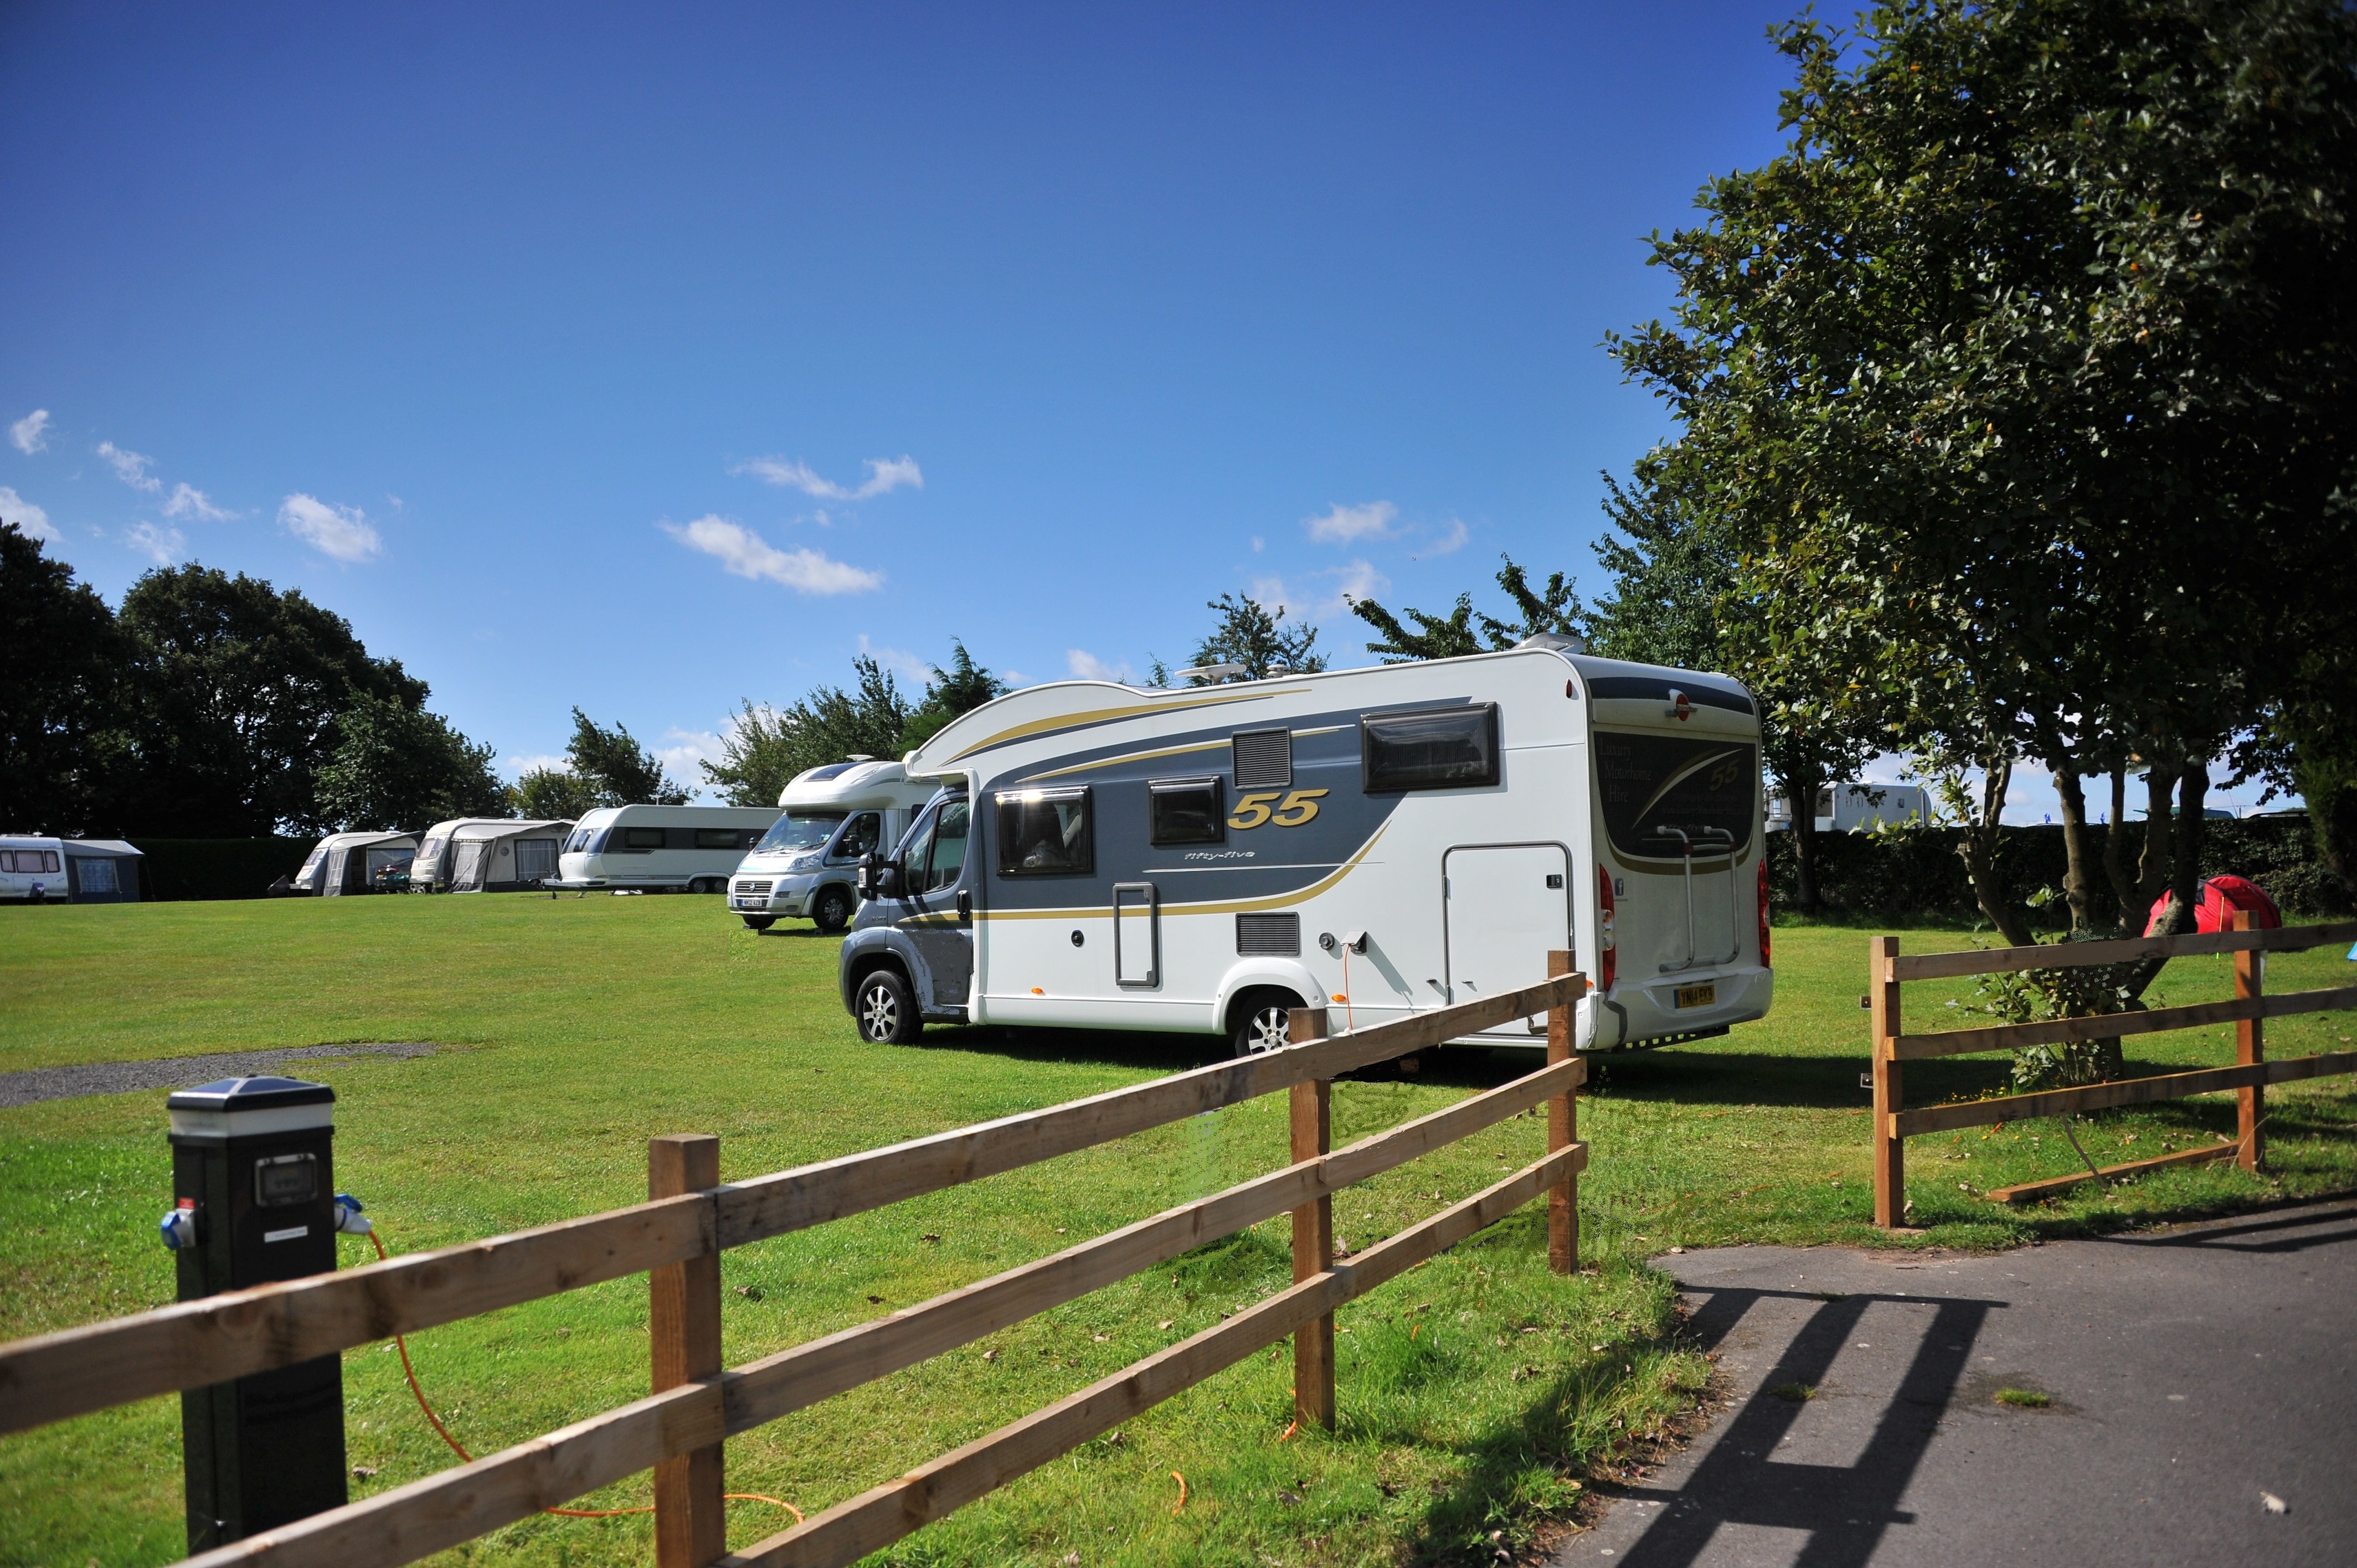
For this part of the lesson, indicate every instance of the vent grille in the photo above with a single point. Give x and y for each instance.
(1268, 935)
(1263, 759)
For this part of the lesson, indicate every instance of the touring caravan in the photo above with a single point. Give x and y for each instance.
(808, 863)
(1842, 808)
(486, 854)
(1384, 841)
(658, 848)
(343, 863)
(38, 870)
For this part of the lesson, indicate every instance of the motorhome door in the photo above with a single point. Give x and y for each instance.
(935, 869)
(1509, 907)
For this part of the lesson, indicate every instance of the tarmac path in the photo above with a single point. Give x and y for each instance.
(35, 1085)
(2195, 1374)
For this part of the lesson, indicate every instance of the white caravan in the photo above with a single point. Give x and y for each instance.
(658, 848)
(1386, 841)
(486, 854)
(808, 863)
(345, 864)
(1842, 808)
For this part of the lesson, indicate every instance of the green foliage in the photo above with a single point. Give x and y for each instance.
(552, 794)
(235, 689)
(1554, 608)
(1249, 633)
(59, 698)
(614, 770)
(2039, 995)
(396, 766)
(766, 748)
(960, 689)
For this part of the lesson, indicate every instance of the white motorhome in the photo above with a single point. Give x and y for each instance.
(808, 863)
(658, 848)
(1386, 841)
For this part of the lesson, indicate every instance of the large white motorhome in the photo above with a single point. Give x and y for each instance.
(808, 863)
(1384, 841)
(658, 848)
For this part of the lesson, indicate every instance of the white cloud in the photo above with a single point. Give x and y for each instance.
(131, 468)
(884, 475)
(520, 765)
(1015, 679)
(165, 546)
(31, 434)
(1346, 523)
(341, 531)
(1323, 596)
(904, 664)
(682, 749)
(1259, 544)
(186, 501)
(1087, 666)
(747, 555)
(31, 518)
(1449, 542)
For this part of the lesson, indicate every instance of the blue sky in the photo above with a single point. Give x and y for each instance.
(650, 359)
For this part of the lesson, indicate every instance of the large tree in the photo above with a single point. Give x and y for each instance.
(60, 683)
(234, 691)
(2027, 372)
(1251, 634)
(1554, 608)
(613, 769)
(766, 748)
(396, 766)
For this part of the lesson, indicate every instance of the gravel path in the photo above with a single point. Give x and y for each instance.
(2202, 1406)
(174, 1072)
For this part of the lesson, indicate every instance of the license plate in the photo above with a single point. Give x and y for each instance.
(1697, 995)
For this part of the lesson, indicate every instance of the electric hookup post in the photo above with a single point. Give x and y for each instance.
(254, 1201)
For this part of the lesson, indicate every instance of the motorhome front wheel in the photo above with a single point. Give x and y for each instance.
(831, 910)
(886, 1010)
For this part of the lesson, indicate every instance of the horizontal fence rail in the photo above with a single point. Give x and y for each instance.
(1888, 970)
(677, 1431)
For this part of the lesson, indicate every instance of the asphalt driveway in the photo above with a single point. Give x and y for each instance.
(2194, 1374)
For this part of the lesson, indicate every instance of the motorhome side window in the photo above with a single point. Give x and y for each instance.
(642, 838)
(1653, 788)
(1186, 810)
(1445, 748)
(860, 837)
(1045, 832)
(945, 859)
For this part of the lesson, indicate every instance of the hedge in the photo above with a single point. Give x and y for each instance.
(1918, 872)
(217, 868)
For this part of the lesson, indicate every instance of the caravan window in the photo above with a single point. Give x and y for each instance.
(1043, 833)
(1446, 748)
(310, 866)
(642, 838)
(36, 860)
(429, 851)
(1187, 811)
(724, 838)
(1699, 785)
(800, 829)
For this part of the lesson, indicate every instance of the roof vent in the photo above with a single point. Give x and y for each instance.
(1561, 642)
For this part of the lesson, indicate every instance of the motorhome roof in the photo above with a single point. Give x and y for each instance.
(1062, 703)
(854, 785)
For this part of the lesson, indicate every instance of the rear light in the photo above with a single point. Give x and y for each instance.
(1763, 912)
(1607, 962)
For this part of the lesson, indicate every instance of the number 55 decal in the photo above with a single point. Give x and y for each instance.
(1252, 810)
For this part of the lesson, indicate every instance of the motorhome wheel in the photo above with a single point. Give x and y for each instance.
(886, 1010)
(759, 922)
(832, 910)
(1261, 1023)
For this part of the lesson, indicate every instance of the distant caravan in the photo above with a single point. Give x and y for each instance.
(658, 848)
(486, 854)
(1384, 841)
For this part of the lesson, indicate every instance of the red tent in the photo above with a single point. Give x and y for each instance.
(2220, 898)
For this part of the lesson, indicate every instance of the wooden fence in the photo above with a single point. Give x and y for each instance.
(1887, 970)
(676, 1238)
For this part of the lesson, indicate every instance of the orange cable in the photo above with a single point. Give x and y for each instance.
(401, 1343)
(1289, 1431)
(1183, 1492)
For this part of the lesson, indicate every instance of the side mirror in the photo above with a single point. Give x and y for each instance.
(878, 879)
(864, 877)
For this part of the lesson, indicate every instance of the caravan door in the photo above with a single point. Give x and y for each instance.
(1509, 906)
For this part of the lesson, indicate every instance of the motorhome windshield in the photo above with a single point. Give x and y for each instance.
(800, 829)
(1655, 787)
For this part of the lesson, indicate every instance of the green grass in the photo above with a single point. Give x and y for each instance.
(2024, 1399)
(1475, 1391)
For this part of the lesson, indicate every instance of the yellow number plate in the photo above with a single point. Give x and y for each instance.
(1697, 995)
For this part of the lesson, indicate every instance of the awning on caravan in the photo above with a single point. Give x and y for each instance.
(355, 863)
(490, 854)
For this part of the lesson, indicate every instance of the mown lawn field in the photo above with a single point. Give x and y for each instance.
(1476, 1392)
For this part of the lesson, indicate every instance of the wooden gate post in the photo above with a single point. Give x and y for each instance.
(1889, 1151)
(1563, 1131)
(1313, 1233)
(683, 1336)
(2250, 1046)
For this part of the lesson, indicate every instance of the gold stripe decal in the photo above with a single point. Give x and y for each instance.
(1102, 716)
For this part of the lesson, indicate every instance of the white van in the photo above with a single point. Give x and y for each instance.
(1385, 841)
(658, 848)
(1842, 808)
(808, 863)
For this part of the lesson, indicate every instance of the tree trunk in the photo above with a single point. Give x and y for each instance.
(1801, 795)
(2078, 884)
(2116, 860)
(2192, 785)
(1979, 846)
(2152, 869)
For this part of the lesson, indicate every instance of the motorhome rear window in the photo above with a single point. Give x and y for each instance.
(1445, 748)
(802, 830)
(1652, 787)
(642, 838)
(1186, 810)
(1044, 832)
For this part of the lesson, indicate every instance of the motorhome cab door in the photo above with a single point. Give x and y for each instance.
(1508, 907)
(939, 925)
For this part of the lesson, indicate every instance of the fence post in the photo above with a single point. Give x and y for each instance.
(1889, 1152)
(1563, 1131)
(2250, 1046)
(1313, 1233)
(684, 1339)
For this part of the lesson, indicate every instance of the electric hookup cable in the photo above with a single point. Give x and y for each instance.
(353, 1222)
